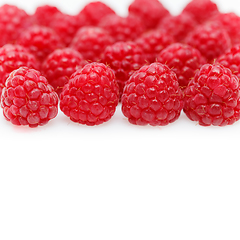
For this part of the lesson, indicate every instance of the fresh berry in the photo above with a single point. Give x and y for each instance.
(11, 58)
(182, 59)
(152, 96)
(151, 12)
(178, 26)
(213, 96)
(91, 95)
(60, 65)
(153, 42)
(13, 21)
(124, 58)
(122, 28)
(91, 42)
(40, 41)
(44, 15)
(231, 59)
(210, 40)
(28, 99)
(93, 12)
(201, 10)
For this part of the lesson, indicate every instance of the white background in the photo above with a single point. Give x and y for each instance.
(118, 181)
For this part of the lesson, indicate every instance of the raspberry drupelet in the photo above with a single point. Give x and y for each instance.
(28, 99)
(152, 96)
(91, 95)
(213, 96)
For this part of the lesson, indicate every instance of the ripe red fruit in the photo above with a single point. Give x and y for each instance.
(211, 40)
(11, 58)
(213, 96)
(124, 58)
(152, 96)
(91, 42)
(182, 59)
(153, 42)
(91, 95)
(40, 41)
(28, 99)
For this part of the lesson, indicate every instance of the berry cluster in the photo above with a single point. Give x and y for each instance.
(155, 64)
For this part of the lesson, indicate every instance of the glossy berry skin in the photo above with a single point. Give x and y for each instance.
(40, 41)
(178, 26)
(122, 28)
(152, 96)
(91, 42)
(182, 59)
(28, 99)
(211, 40)
(13, 21)
(11, 58)
(213, 96)
(151, 12)
(124, 58)
(201, 10)
(60, 65)
(231, 59)
(153, 42)
(91, 95)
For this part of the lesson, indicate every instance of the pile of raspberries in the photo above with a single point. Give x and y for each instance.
(152, 63)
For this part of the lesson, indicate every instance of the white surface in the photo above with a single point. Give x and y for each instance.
(119, 181)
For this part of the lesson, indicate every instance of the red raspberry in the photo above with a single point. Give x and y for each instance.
(60, 65)
(91, 42)
(182, 59)
(11, 58)
(13, 20)
(122, 28)
(201, 10)
(210, 40)
(124, 58)
(152, 96)
(44, 15)
(230, 22)
(153, 42)
(66, 26)
(40, 41)
(91, 96)
(93, 12)
(231, 59)
(151, 12)
(213, 96)
(28, 99)
(178, 26)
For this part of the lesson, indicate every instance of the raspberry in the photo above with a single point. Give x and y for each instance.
(44, 15)
(152, 96)
(213, 96)
(60, 65)
(65, 26)
(210, 40)
(28, 99)
(93, 12)
(40, 41)
(153, 42)
(91, 96)
(12, 21)
(124, 58)
(11, 58)
(151, 12)
(122, 28)
(182, 59)
(231, 59)
(91, 42)
(201, 10)
(178, 26)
